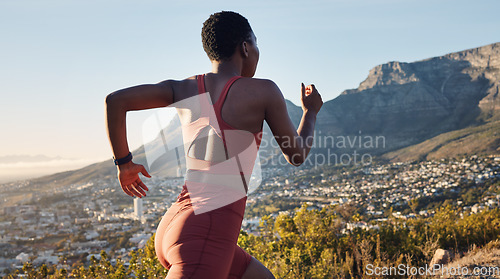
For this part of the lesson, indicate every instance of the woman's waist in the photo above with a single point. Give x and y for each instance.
(231, 177)
(234, 166)
(206, 200)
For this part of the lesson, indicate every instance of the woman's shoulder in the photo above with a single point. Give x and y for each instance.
(183, 88)
(259, 85)
(261, 82)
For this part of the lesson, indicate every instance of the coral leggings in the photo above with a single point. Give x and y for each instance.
(201, 245)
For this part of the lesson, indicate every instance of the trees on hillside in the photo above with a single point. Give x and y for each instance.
(313, 244)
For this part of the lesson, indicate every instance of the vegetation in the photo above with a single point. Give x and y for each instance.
(310, 244)
(270, 205)
(314, 244)
(474, 140)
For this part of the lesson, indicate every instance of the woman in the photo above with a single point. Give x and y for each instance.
(222, 114)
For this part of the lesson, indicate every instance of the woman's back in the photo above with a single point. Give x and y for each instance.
(243, 107)
(219, 157)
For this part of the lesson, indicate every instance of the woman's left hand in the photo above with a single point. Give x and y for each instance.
(131, 183)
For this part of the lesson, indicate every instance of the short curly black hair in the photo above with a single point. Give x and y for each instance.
(222, 32)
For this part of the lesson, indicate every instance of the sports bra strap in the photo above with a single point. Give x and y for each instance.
(201, 84)
(205, 100)
(225, 90)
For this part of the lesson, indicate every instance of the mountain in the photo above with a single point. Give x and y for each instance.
(442, 106)
(408, 103)
(22, 167)
(26, 159)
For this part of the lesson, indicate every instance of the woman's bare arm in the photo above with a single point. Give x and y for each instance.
(295, 144)
(117, 104)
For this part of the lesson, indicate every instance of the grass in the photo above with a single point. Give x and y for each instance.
(486, 258)
(479, 140)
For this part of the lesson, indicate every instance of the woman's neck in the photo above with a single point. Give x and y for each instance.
(226, 68)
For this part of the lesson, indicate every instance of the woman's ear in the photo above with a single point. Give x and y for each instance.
(244, 49)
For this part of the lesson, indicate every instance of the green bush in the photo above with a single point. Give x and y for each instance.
(310, 244)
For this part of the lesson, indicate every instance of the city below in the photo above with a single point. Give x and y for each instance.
(70, 224)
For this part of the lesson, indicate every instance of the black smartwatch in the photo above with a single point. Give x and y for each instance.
(123, 160)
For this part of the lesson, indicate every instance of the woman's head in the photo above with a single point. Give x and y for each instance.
(223, 32)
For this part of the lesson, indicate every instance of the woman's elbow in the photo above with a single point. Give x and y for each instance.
(296, 159)
(114, 102)
(110, 99)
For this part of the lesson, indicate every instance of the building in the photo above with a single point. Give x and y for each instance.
(138, 211)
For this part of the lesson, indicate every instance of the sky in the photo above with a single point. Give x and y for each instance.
(60, 58)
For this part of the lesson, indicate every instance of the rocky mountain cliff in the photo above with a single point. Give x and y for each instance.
(408, 103)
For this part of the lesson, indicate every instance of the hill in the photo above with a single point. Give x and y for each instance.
(479, 140)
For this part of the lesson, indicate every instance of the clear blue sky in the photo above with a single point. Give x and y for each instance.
(60, 58)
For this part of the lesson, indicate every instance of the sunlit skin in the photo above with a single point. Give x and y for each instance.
(251, 102)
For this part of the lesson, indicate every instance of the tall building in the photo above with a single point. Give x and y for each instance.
(138, 208)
